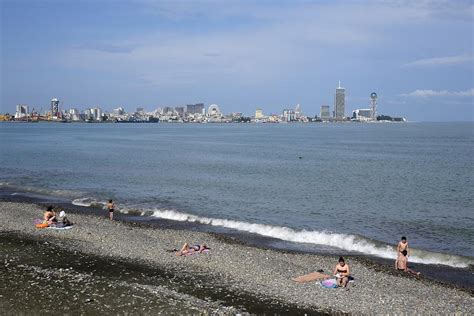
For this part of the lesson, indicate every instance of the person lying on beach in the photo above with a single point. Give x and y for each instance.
(313, 276)
(402, 245)
(49, 216)
(401, 264)
(188, 250)
(342, 272)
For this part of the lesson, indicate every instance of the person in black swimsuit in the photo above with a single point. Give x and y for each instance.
(111, 208)
(342, 272)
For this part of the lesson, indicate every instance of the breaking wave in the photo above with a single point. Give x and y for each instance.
(341, 241)
(88, 202)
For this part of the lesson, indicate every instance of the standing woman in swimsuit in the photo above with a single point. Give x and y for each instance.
(342, 272)
(111, 208)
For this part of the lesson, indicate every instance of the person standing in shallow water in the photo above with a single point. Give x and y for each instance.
(111, 208)
(402, 245)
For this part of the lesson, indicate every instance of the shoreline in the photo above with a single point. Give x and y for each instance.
(235, 268)
(443, 274)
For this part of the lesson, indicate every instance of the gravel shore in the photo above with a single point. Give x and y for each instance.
(254, 274)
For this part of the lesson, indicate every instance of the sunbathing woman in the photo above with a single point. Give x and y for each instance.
(188, 250)
(49, 216)
(342, 272)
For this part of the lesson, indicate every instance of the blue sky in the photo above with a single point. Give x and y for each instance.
(417, 55)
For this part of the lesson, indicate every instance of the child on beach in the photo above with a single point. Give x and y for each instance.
(111, 208)
(402, 245)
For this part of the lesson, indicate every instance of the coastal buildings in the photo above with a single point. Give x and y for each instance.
(197, 108)
(362, 115)
(55, 108)
(214, 113)
(196, 113)
(288, 115)
(298, 113)
(21, 111)
(373, 105)
(259, 114)
(339, 103)
(325, 113)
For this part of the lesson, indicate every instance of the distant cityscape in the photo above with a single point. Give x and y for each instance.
(199, 113)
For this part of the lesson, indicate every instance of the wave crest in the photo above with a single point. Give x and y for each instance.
(342, 241)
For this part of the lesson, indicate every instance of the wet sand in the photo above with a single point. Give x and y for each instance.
(232, 278)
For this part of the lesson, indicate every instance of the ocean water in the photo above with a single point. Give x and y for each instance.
(352, 187)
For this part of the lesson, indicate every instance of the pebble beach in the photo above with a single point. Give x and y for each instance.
(120, 267)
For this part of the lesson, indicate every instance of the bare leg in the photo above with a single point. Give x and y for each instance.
(111, 215)
(344, 281)
(413, 272)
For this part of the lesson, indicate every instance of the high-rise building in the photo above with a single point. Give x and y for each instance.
(325, 113)
(55, 107)
(373, 106)
(179, 111)
(298, 112)
(258, 114)
(96, 114)
(21, 111)
(288, 115)
(195, 108)
(339, 103)
(119, 111)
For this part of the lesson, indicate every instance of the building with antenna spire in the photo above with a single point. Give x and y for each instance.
(339, 103)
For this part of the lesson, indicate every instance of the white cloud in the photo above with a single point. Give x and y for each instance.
(440, 93)
(441, 61)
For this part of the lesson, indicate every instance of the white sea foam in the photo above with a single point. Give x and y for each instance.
(341, 241)
(88, 202)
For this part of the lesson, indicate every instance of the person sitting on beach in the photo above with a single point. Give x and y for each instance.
(49, 216)
(402, 245)
(187, 250)
(63, 218)
(342, 272)
(401, 264)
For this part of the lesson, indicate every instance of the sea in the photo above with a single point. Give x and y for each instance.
(340, 188)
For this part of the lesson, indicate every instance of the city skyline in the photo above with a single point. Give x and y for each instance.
(242, 56)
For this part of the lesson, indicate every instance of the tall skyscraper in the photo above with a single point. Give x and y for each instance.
(324, 114)
(339, 103)
(54, 107)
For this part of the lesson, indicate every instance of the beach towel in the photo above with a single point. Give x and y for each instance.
(314, 276)
(329, 284)
(60, 228)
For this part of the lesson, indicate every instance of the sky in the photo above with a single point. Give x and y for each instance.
(418, 56)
